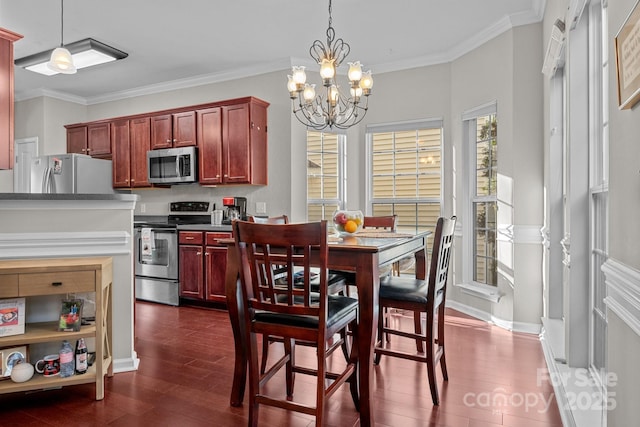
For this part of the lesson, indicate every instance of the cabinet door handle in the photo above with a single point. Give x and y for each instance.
(189, 238)
(56, 284)
(168, 140)
(198, 253)
(206, 254)
(175, 140)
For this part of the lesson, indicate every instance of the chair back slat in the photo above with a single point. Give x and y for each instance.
(278, 262)
(441, 256)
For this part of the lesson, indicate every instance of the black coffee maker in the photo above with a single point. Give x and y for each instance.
(235, 208)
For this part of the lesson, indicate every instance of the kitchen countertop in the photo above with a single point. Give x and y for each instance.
(204, 227)
(40, 196)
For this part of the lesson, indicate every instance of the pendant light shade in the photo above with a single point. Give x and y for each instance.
(61, 61)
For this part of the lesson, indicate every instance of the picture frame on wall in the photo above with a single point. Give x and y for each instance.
(627, 47)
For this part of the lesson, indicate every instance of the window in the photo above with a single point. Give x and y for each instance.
(481, 133)
(405, 172)
(325, 174)
(599, 175)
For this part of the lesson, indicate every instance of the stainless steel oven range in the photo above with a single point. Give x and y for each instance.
(156, 251)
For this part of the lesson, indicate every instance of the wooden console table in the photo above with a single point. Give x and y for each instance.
(39, 277)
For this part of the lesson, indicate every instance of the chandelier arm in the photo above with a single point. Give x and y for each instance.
(308, 111)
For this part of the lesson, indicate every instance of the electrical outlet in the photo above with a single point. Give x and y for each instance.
(261, 207)
(143, 207)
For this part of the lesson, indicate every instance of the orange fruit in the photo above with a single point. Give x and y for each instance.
(351, 226)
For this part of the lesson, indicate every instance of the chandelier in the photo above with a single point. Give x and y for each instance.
(330, 108)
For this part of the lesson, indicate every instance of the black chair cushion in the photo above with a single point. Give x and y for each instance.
(333, 281)
(403, 289)
(339, 307)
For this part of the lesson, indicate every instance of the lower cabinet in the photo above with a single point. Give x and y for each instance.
(203, 263)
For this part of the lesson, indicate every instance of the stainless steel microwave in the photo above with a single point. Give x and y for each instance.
(172, 165)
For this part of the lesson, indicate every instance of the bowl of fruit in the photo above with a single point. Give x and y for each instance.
(347, 222)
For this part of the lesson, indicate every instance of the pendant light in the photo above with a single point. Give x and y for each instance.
(61, 60)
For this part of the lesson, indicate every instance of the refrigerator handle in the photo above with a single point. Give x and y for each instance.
(48, 184)
(45, 179)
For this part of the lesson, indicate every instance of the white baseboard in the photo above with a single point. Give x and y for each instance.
(126, 365)
(529, 328)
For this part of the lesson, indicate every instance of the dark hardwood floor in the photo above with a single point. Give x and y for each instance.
(186, 361)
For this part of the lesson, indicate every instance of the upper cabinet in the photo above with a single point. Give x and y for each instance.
(93, 139)
(173, 130)
(7, 38)
(231, 137)
(130, 141)
(232, 143)
(99, 140)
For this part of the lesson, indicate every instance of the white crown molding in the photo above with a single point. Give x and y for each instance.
(623, 292)
(23, 96)
(532, 16)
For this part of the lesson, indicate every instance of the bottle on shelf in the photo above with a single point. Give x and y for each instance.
(67, 362)
(81, 357)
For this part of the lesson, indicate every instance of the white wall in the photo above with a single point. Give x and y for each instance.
(623, 344)
(507, 70)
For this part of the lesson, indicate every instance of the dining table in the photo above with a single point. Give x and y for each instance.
(365, 253)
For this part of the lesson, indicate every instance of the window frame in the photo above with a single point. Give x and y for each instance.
(468, 196)
(410, 125)
(340, 201)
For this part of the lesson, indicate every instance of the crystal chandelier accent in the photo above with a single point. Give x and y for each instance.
(330, 109)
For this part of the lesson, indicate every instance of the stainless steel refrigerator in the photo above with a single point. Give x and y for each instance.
(71, 173)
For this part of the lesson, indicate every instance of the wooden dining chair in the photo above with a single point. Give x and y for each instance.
(337, 285)
(421, 296)
(280, 219)
(273, 307)
(385, 222)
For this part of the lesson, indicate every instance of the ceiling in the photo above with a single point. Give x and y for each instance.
(174, 43)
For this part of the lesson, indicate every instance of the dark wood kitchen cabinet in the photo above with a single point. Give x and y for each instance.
(209, 145)
(215, 266)
(191, 264)
(202, 265)
(7, 38)
(77, 139)
(93, 139)
(232, 142)
(99, 139)
(173, 130)
(130, 141)
(231, 137)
